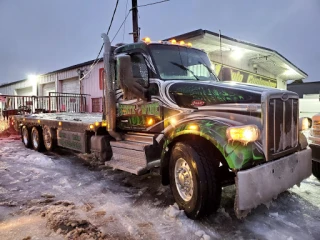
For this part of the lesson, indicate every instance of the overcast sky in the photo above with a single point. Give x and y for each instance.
(38, 36)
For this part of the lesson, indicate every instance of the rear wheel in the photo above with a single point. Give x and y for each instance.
(194, 180)
(49, 138)
(37, 139)
(316, 169)
(26, 138)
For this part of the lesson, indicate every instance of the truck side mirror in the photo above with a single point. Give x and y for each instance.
(131, 86)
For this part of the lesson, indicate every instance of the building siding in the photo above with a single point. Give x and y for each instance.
(90, 85)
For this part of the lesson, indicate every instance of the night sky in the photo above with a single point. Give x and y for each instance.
(38, 36)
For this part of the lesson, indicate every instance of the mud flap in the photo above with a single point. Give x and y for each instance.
(263, 183)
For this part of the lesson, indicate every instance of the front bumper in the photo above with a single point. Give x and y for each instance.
(263, 183)
(315, 152)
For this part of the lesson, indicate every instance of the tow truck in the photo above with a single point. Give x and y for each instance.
(165, 108)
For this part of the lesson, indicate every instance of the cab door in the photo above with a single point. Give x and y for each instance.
(133, 113)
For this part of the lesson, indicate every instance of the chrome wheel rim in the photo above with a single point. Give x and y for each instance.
(35, 138)
(25, 136)
(47, 137)
(183, 179)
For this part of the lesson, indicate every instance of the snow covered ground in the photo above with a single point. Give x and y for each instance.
(58, 196)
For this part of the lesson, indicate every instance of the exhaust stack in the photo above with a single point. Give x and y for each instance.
(110, 99)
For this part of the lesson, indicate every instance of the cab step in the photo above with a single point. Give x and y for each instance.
(129, 156)
(139, 137)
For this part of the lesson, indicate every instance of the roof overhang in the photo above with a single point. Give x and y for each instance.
(265, 58)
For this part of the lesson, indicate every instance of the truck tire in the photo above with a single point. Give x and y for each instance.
(37, 139)
(194, 180)
(26, 136)
(316, 169)
(49, 138)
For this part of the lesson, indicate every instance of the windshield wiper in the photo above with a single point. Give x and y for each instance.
(185, 68)
(210, 71)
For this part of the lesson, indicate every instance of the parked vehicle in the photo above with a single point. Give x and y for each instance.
(315, 145)
(165, 108)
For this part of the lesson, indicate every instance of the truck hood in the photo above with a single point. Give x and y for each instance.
(195, 94)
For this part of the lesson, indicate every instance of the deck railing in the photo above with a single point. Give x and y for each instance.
(55, 102)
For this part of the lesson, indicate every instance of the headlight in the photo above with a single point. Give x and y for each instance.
(304, 124)
(245, 134)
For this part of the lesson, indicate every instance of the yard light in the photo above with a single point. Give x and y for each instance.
(289, 72)
(97, 124)
(91, 126)
(33, 77)
(237, 54)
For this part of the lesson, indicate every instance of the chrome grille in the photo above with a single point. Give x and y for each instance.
(281, 126)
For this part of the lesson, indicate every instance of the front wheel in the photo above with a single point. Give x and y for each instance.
(194, 180)
(316, 169)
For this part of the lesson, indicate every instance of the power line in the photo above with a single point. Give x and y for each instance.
(152, 3)
(114, 12)
(95, 62)
(121, 25)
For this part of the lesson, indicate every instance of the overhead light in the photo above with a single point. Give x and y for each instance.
(289, 72)
(32, 77)
(237, 54)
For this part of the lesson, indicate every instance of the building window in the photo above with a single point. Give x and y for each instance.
(96, 105)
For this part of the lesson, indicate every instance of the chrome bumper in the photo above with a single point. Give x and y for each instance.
(263, 183)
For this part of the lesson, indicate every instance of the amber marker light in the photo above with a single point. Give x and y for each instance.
(97, 124)
(150, 121)
(193, 127)
(173, 121)
(182, 43)
(104, 124)
(146, 40)
(189, 44)
(173, 41)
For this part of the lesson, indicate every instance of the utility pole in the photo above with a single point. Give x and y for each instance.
(136, 30)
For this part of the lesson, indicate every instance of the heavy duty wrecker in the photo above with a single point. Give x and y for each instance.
(165, 108)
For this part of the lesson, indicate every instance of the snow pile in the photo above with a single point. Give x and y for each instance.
(202, 235)
(63, 219)
(173, 211)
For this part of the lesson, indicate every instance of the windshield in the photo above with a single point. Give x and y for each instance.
(177, 63)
